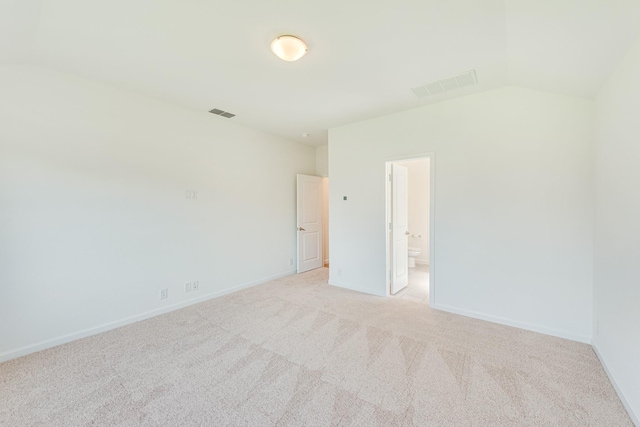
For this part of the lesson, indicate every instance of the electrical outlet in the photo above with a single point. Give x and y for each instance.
(339, 272)
(290, 261)
(164, 293)
(188, 287)
(191, 194)
(196, 285)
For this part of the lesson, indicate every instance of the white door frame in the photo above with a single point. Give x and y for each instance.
(432, 229)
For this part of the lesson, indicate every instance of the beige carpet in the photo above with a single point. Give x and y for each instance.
(300, 352)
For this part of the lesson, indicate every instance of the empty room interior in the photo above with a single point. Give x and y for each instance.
(319, 213)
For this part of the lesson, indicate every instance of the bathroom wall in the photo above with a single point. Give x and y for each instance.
(94, 218)
(418, 171)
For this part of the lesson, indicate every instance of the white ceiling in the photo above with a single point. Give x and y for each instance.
(364, 56)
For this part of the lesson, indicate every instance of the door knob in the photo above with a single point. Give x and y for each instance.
(406, 232)
(301, 229)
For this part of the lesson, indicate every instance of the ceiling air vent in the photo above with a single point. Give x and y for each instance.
(222, 113)
(446, 85)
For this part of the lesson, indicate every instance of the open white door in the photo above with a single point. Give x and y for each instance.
(309, 222)
(399, 228)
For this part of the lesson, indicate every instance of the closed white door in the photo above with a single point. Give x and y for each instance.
(399, 228)
(309, 222)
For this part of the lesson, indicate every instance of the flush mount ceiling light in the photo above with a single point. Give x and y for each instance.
(288, 48)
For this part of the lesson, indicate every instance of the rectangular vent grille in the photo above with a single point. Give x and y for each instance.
(445, 85)
(222, 113)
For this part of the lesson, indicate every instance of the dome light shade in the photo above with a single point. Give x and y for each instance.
(289, 48)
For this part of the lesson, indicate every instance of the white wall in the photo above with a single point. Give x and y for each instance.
(325, 220)
(513, 205)
(93, 215)
(617, 236)
(418, 190)
(322, 160)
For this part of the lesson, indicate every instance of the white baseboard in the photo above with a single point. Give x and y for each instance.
(43, 345)
(614, 381)
(514, 323)
(340, 284)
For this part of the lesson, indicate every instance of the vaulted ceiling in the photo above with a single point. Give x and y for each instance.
(364, 56)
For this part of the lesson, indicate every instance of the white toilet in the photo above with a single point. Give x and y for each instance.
(413, 253)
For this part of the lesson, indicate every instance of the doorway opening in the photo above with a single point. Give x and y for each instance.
(410, 226)
(309, 219)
